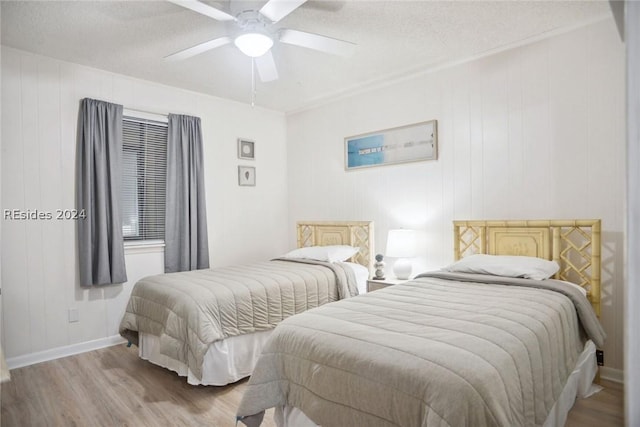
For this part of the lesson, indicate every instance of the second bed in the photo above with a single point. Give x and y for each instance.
(210, 325)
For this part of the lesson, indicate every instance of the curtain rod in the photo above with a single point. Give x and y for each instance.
(147, 115)
(164, 115)
(137, 110)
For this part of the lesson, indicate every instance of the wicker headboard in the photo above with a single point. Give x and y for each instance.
(573, 244)
(353, 233)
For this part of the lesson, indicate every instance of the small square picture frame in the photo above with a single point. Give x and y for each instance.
(246, 149)
(247, 176)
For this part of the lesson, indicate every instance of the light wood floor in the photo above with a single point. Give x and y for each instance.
(113, 387)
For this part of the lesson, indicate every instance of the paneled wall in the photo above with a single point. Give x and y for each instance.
(537, 131)
(40, 100)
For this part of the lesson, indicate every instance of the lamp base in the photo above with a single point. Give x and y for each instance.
(402, 268)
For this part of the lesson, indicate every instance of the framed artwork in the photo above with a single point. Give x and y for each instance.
(246, 149)
(247, 176)
(403, 144)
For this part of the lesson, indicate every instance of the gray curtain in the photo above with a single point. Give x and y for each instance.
(98, 187)
(186, 241)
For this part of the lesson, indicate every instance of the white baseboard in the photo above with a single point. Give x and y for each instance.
(69, 350)
(612, 374)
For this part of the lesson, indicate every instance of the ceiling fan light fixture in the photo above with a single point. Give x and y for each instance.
(253, 44)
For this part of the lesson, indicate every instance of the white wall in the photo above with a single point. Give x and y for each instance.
(40, 100)
(533, 132)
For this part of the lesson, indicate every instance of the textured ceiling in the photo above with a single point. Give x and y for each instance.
(394, 38)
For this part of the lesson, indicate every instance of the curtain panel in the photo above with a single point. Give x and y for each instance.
(98, 192)
(186, 241)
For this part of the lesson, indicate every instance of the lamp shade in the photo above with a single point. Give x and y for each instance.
(253, 44)
(401, 244)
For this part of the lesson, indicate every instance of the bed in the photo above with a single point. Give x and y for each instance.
(449, 348)
(210, 325)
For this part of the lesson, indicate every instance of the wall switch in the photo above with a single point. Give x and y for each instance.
(73, 315)
(600, 357)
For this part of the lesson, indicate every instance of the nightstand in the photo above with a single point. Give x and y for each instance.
(374, 285)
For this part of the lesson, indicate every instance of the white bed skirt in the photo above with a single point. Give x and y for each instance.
(579, 385)
(225, 362)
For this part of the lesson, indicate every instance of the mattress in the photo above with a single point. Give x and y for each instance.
(447, 350)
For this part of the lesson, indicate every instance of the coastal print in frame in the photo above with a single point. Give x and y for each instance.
(403, 144)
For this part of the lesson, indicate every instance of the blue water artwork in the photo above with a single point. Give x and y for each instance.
(365, 151)
(401, 144)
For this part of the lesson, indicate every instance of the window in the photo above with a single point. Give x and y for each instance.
(144, 165)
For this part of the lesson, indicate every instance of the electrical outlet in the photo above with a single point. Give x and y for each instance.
(73, 315)
(600, 357)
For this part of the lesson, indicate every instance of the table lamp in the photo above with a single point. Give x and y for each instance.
(401, 244)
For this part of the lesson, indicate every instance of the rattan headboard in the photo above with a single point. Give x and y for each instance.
(573, 244)
(353, 233)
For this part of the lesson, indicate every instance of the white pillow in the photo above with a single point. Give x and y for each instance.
(505, 265)
(335, 253)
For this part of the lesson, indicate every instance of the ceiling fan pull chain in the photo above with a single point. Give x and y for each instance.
(253, 82)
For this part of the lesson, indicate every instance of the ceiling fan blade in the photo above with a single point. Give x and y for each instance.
(267, 67)
(317, 42)
(275, 10)
(204, 9)
(198, 49)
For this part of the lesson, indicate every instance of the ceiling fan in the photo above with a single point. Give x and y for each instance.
(254, 36)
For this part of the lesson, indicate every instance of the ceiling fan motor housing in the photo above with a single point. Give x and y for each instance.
(252, 21)
(253, 39)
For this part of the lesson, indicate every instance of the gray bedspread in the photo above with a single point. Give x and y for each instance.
(190, 310)
(430, 352)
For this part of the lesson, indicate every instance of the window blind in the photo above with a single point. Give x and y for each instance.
(144, 165)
